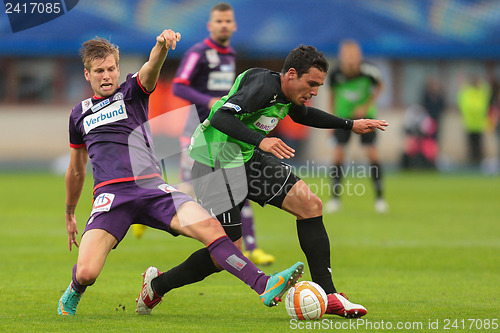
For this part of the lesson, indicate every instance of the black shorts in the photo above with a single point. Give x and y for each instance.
(269, 180)
(342, 136)
(222, 192)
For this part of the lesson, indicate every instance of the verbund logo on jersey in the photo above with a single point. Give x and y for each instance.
(110, 114)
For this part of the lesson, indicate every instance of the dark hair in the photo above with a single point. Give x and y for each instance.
(221, 7)
(97, 48)
(303, 58)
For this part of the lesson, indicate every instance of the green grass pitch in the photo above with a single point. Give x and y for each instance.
(433, 259)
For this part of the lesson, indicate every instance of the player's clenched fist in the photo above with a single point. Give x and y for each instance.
(169, 38)
(362, 126)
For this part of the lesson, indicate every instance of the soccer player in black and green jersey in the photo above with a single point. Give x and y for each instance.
(355, 86)
(228, 168)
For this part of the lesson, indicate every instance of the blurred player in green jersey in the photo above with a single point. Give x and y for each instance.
(355, 86)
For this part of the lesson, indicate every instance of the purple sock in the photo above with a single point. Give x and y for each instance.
(233, 261)
(76, 286)
(248, 227)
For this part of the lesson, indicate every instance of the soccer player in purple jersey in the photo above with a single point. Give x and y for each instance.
(207, 73)
(111, 128)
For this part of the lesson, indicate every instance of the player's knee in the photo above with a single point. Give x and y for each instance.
(313, 206)
(209, 230)
(215, 227)
(86, 275)
(316, 207)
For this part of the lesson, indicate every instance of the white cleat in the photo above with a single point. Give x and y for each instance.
(148, 299)
(381, 206)
(332, 205)
(339, 305)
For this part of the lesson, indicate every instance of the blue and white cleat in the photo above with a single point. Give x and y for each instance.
(279, 283)
(68, 302)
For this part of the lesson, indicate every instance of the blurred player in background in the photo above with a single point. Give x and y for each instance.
(229, 169)
(473, 100)
(109, 128)
(434, 102)
(494, 116)
(355, 86)
(206, 73)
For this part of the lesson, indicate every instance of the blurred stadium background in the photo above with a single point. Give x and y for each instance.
(41, 73)
(433, 256)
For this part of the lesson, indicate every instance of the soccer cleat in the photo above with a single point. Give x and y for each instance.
(259, 257)
(279, 283)
(339, 305)
(148, 299)
(138, 230)
(381, 206)
(332, 206)
(68, 302)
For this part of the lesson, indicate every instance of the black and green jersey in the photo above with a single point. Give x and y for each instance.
(351, 92)
(257, 100)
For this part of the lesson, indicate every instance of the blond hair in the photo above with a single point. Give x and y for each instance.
(97, 48)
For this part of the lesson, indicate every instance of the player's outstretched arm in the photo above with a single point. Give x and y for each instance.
(150, 71)
(313, 117)
(75, 179)
(362, 126)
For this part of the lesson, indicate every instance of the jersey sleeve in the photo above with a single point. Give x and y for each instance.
(188, 68)
(190, 94)
(135, 82)
(227, 123)
(75, 137)
(372, 71)
(313, 117)
(251, 92)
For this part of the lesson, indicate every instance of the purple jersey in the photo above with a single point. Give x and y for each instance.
(116, 134)
(207, 70)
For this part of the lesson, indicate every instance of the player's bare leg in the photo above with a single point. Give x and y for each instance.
(302, 202)
(94, 249)
(186, 188)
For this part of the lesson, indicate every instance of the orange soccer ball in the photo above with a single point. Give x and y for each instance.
(306, 301)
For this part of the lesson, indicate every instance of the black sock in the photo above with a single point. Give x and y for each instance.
(198, 266)
(376, 175)
(336, 172)
(314, 243)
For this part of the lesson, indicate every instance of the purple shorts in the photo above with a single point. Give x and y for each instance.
(151, 202)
